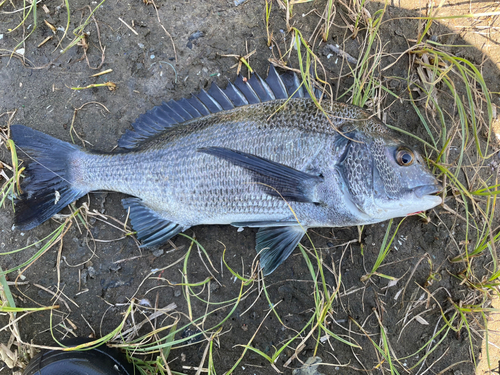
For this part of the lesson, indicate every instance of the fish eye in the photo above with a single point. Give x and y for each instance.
(404, 156)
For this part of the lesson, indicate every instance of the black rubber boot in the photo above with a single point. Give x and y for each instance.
(99, 361)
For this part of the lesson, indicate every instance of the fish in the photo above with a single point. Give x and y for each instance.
(259, 153)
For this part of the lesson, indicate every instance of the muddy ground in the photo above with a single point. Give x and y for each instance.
(98, 278)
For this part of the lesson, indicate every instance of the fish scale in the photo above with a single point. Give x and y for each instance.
(282, 165)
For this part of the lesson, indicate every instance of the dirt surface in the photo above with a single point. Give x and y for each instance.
(99, 270)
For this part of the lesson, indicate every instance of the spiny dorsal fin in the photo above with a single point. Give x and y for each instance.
(242, 92)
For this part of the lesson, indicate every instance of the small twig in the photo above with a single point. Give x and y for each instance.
(55, 295)
(101, 73)
(342, 54)
(21, 9)
(110, 85)
(136, 327)
(17, 283)
(166, 32)
(58, 265)
(127, 259)
(45, 40)
(103, 49)
(71, 129)
(130, 27)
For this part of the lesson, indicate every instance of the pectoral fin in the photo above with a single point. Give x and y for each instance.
(275, 244)
(276, 179)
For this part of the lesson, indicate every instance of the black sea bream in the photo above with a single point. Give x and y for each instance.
(257, 154)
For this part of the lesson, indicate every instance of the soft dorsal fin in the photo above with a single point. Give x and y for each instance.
(242, 92)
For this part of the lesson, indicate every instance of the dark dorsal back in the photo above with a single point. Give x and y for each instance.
(242, 92)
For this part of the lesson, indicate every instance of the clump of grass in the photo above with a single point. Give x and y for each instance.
(79, 33)
(365, 73)
(269, 6)
(384, 250)
(443, 74)
(470, 134)
(316, 327)
(159, 345)
(10, 186)
(329, 15)
(29, 12)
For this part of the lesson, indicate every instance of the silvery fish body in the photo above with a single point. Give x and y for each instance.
(259, 154)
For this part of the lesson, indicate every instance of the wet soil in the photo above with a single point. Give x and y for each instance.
(99, 270)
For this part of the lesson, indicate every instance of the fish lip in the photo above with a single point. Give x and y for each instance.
(422, 191)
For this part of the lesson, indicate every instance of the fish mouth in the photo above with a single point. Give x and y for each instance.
(422, 191)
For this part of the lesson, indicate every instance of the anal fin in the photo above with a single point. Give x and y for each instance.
(151, 228)
(275, 244)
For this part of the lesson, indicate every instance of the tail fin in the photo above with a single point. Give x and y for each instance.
(47, 187)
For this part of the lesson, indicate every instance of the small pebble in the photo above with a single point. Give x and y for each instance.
(393, 83)
(92, 272)
(213, 287)
(145, 302)
(196, 35)
(115, 267)
(84, 275)
(32, 240)
(44, 294)
(158, 253)
(193, 333)
(310, 367)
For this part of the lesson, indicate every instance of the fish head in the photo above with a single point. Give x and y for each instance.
(386, 178)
